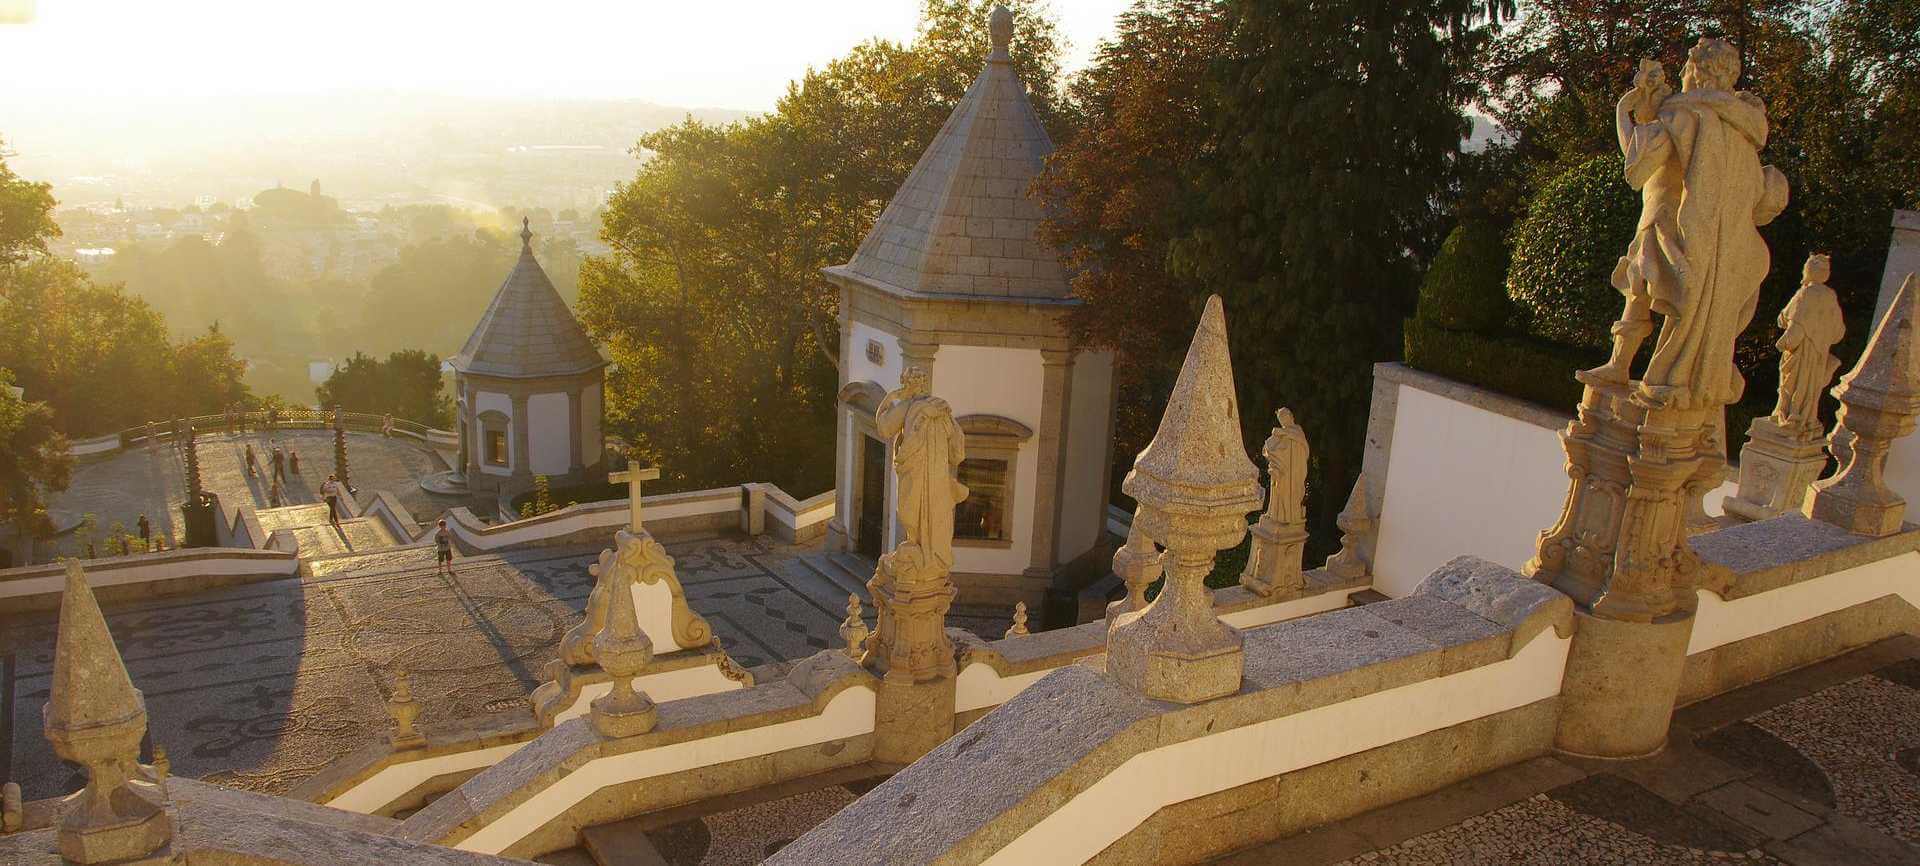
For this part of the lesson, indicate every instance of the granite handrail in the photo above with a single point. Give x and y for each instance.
(1078, 761)
(817, 718)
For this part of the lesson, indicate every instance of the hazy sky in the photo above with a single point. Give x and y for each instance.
(693, 53)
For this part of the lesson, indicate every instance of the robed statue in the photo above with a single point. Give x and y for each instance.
(1809, 326)
(927, 449)
(1696, 257)
(1286, 453)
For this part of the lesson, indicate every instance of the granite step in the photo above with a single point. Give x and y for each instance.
(621, 843)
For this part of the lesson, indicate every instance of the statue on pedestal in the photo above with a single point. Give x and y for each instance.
(1785, 452)
(911, 587)
(1280, 537)
(1641, 452)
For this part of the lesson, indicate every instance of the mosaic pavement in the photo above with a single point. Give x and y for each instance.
(1817, 766)
(152, 481)
(258, 686)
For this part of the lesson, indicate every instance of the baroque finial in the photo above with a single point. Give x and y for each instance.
(1000, 27)
(1019, 626)
(526, 233)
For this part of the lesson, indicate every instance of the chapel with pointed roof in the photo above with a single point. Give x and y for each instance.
(953, 279)
(527, 387)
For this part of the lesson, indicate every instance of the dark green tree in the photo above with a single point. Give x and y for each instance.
(26, 214)
(407, 385)
(1319, 207)
(33, 461)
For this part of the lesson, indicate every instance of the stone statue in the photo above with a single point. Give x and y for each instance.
(1811, 324)
(1696, 256)
(927, 449)
(1286, 452)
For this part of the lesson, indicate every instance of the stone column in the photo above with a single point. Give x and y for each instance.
(1050, 450)
(576, 427)
(1195, 486)
(522, 449)
(838, 538)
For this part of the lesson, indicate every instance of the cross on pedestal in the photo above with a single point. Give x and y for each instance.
(634, 475)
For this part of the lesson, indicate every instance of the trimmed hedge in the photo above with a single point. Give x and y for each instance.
(1564, 252)
(1465, 288)
(1515, 366)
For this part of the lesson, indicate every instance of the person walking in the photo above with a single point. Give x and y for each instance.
(293, 461)
(331, 492)
(253, 466)
(146, 532)
(279, 464)
(443, 544)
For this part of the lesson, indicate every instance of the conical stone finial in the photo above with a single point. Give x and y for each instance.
(1878, 404)
(526, 234)
(1195, 485)
(1356, 534)
(1000, 27)
(96, 718)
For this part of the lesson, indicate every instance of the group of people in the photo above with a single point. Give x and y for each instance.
(284, 460)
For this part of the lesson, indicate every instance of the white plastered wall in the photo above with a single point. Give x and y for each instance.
(1718, 623)
(1145, 783)
(484, 402)
(980, 380)
(549, 434)
(1466, 480)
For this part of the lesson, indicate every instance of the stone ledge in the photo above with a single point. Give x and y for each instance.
(1765, 555)
(1067, 732)
(1472, 395)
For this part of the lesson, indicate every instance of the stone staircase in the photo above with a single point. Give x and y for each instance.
(847, 571)
(307, 526)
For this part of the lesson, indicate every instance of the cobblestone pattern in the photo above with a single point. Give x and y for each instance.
(261, 685)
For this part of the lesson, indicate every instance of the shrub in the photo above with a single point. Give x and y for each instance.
(1515, 366)
(1564, 251)
(1465, 289)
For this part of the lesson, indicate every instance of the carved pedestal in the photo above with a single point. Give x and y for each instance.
(1273, 565)
(1857, 497)
(1777, 466)
(911, 651)
(1178, 649)
(1620, 547)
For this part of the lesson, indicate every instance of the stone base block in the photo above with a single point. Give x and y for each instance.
(911, 718)
(1186, 676)
(1622, 681)
(140, 827)
(1872, 519)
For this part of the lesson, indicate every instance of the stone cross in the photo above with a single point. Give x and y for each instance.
(634, 476)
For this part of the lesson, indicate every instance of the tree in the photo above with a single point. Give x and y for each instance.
(1331, 149)
(26, 215)
(407, 385)
(34, 461)
(1118, 194)
(434, 294)
(712, 305)
(1565, 249)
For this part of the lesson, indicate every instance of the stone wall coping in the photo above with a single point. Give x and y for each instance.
(1765, 555)
(224, 825)
(1472, 395)
(141, 560)
(574, 743)
(1319, 581)
(449, 738)
(1062, 735)
(1907, 219)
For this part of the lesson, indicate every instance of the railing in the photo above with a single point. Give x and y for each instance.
(297, 418)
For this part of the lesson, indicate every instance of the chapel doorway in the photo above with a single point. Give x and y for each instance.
(873, 497)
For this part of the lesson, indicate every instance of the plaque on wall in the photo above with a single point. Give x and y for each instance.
(876, 352)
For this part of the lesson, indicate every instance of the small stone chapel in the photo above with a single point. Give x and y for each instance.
(527, 388)
(953, 280)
